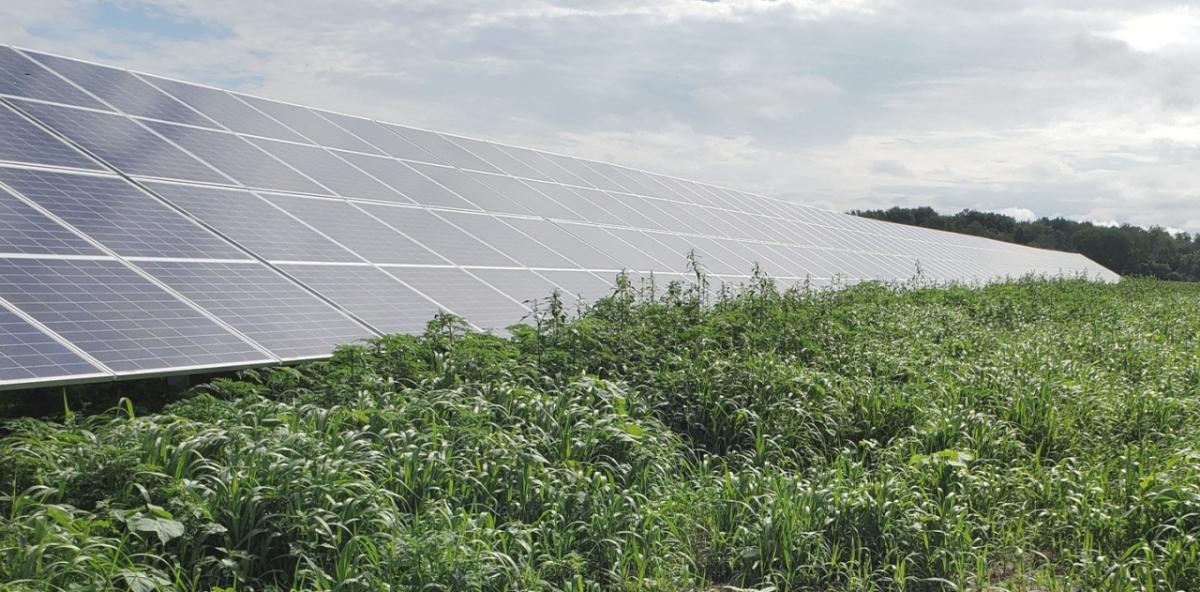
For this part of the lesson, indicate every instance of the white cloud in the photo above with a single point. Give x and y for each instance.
(998, 105)
(1020, 214)
(777, 99)
(1153, 32)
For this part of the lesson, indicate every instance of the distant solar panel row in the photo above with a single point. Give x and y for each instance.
(150, 226)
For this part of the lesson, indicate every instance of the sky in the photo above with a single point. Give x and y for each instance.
(1087, 109)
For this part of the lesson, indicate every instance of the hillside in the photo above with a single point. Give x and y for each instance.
(1038, 435)
(1127, 250)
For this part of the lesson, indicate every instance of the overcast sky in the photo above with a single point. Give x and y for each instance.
(1088, 109)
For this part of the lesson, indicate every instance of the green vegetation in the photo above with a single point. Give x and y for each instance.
(1127, 250)
(1037, 435)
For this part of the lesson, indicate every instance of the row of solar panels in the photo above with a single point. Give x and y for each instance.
(149, 226)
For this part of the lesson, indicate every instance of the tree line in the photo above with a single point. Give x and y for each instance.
(1126, 249)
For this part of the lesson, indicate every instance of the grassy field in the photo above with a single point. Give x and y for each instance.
(1039, 435)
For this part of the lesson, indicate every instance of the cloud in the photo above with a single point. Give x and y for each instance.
(1154, 32)
(893, 168)
(1021, 214)
(778, 99)
(1060, 108)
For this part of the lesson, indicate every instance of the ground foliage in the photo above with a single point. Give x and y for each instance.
(1035, 435)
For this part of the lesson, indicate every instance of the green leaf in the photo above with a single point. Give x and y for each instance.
(164, 528)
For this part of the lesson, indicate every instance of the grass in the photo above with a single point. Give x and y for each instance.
(1034, 435)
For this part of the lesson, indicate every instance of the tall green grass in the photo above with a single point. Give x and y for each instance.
(1035, 435)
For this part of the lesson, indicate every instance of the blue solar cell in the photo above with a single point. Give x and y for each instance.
(265, 306)
(121, 142)
(328, 170)
(118, 215)
(25, 230)
(359, 232)
(237, 158)
(225, 109)
(23, 141)
(119, 317)
(27, 354)
(464, 295)
(21, 77)
(253, 223)
(311, 125)
(370, 294)
(123, 90)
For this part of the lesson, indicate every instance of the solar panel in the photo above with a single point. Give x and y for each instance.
(288, 321)
(329, 170)
(587, 256)
(469, 186)
(445, 150)
(253, 223)
(411, 182)
(23, 141)
(502, 160)
(27, 354)
(463, 294)
(356, 230)
(118, 215)
(581, 284)
(20, 77)
(508, 240)
(532, 195)
(309, 124)
(26, 231)
(521, 285)
(369, 293)
(435, 233)
(122, 143)
(615, 248)
(118, 317)
(225, 109)
(381, 138)
(124, 91)
(274, 231)
(237, 158)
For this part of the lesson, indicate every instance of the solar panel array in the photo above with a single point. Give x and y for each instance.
(150, 226)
